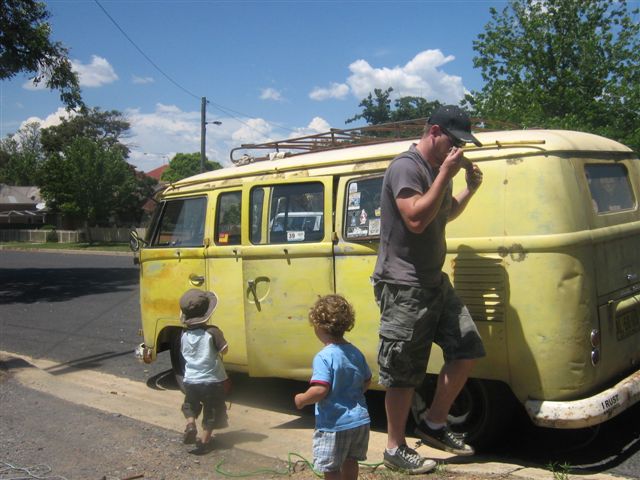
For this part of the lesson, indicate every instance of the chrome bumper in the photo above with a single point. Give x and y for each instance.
(143, 353)
(587, 411)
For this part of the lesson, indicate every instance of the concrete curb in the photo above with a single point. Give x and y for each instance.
(276, 434)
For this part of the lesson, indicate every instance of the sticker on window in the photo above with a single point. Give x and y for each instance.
(374, 226)
(354, 201)
(295, 236)
(357, 232)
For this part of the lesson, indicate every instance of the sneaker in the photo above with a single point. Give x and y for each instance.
(406, 460)
(203, 448)
(443, 439)
(190, 434)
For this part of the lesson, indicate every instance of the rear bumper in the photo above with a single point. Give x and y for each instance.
(587, 411)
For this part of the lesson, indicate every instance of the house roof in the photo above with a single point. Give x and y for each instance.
(157, 172)
(10, 195)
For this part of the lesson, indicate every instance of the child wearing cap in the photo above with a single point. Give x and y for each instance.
(202, 347)
(340, 378)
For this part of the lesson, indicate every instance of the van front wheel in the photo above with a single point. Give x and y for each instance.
(177, 361)
(482, 410)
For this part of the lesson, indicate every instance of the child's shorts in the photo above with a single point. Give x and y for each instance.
(207, 398)
(331, 449)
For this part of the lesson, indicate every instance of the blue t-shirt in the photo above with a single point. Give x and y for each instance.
(343, 368)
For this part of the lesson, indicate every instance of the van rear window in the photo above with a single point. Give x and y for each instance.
(181, 223)
(610, 188)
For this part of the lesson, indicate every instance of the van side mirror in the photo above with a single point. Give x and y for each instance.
(135, 241)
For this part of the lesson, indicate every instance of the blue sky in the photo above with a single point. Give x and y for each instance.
(270, 69)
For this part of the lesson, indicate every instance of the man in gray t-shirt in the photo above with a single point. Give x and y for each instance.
(418, 305)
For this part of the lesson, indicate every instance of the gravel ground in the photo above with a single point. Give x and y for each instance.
(45, 437)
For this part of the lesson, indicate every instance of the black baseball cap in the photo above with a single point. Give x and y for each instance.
(455, 122)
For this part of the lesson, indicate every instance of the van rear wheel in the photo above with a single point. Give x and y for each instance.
(482, 410)
(177, 360)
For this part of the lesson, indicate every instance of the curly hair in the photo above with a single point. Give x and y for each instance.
(333, 314)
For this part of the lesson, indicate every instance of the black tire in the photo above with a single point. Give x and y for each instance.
(483, 410)
(177, 361)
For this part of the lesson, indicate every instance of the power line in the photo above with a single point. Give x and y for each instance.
(144, 54)
(223, 109)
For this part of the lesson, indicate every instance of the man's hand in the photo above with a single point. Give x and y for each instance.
(473, 176)
(453, 162)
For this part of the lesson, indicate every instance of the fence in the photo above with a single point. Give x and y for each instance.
(103, 235)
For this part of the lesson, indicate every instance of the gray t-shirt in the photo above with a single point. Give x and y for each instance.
(404, 257)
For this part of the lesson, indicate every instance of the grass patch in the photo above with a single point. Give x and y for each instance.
(96, 246)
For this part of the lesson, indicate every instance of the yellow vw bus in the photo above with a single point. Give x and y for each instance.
(546, 257)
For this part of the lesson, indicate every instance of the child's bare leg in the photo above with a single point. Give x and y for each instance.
(350, 469)
(207, 433)
(332, 475)
(190, 431)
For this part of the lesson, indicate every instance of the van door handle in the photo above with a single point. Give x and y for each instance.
(252, 288)
(196, 280)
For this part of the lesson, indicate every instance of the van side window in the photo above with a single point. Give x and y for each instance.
(181, 223)
(362, 220)
(228, 218)
(610, 187)
(257, 204)
(296, 213)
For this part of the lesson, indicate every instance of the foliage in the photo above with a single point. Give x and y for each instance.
(26, 47)
(108, 128)
(21, 156)
(89, 180)
(571, 64)
(184, 165)
(378, 110)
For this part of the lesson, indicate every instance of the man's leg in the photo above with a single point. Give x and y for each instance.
(452, 378)
(397, 402)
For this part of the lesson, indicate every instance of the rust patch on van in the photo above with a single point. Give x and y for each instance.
(515, 252)
(514, 161)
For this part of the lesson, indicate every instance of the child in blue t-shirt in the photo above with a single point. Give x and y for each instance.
(340, 378)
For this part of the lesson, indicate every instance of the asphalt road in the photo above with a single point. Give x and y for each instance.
(82, 311)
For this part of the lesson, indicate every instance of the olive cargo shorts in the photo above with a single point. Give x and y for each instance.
(411, 319)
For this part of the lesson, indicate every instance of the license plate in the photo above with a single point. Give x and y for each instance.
(627, 324)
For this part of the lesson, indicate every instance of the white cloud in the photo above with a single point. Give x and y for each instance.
(271, 94)
(53, 119)
(421, 76)
(141, 80)
(316, 125)
(336, 90)
(95, 74)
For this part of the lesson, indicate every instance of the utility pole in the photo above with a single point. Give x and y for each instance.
(203, 132)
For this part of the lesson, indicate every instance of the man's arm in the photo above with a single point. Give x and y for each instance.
(473, 176)
(418, 210)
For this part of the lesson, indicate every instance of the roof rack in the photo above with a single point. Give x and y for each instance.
(333, 139)
(341, 138)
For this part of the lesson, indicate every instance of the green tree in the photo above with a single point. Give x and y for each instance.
(108, 128)
(26, 47)
(571, 64)
(376, 108)
(90, 181)
(21, 156)
(184, 165)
